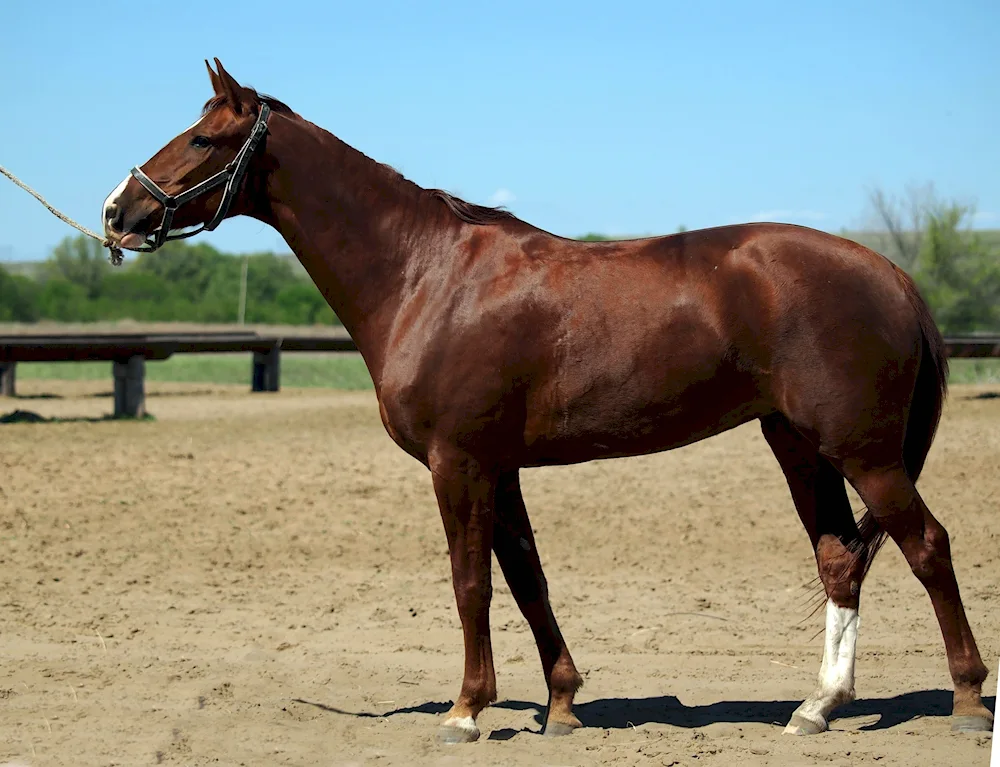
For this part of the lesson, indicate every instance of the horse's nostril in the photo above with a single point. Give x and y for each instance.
(113, 215)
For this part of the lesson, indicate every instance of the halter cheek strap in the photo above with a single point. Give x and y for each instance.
(231, 176)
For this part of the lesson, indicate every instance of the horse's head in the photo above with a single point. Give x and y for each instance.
(196, 180)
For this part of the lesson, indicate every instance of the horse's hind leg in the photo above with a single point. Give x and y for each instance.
(514, 546)
(902, 513)
(821, 500)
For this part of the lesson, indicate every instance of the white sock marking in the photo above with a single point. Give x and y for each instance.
(995, 755)
(836, 673)
(466, 723)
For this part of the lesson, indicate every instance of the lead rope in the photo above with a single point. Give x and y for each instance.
(115, 257)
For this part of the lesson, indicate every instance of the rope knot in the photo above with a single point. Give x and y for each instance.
(115, 256)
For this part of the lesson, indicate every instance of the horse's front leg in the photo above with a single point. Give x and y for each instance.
(466, 496)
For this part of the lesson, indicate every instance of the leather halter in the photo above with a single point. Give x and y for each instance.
(231, 176)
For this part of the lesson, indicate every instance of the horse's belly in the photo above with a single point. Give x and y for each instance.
(616, 424)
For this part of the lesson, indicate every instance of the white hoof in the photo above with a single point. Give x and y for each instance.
(458, 729)
(799, 725)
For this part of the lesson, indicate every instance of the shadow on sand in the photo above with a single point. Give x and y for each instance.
(620, 713)
(985, 395)
(27, 416)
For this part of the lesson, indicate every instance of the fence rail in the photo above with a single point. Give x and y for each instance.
(129, 353)
(973, 346)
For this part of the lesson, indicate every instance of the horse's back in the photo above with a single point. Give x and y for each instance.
(666, 341)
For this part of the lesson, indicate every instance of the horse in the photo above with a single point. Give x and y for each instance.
(494, 346)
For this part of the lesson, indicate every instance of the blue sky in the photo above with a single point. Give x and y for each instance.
(623, 118)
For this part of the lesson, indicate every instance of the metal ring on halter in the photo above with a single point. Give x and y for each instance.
(231, 176)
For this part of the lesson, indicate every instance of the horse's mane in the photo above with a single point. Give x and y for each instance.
(277, 106)
(468, 212)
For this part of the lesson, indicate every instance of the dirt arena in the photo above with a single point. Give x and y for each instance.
(263, 580)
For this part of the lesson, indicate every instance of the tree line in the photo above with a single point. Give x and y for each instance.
(179, 282)
(956, 268)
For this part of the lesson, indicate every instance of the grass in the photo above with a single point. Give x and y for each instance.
(974, 371)
(332, 371)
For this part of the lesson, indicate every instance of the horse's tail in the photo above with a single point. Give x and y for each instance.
(931, 387)
(929, 394)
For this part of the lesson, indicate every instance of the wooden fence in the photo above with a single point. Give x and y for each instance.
(129, 353)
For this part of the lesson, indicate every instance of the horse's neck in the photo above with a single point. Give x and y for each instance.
(353, 224)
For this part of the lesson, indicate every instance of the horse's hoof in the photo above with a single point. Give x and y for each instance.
(458, 729)
(971, 724)
(799, 725)
(557, 729)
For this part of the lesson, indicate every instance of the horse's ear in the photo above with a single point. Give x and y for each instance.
(216, 82)
(236, 95)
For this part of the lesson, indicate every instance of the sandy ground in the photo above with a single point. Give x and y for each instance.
(263, 580)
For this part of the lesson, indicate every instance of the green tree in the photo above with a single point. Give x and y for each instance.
(220, 302)
(956, 269)
(80, 260)
(65, 301)
(301, 303)
(180, 281)
(18, 298)
(187, 269)
(959, 274)
(267, 276)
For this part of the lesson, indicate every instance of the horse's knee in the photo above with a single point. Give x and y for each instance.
(473, 595)
(841, 570)
(930, 554)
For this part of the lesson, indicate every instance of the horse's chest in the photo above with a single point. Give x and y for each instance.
(406, 415)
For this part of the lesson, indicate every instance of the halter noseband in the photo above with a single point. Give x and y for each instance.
(231, 176)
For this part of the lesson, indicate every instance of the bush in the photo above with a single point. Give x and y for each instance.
(179, 282)
(18, 298)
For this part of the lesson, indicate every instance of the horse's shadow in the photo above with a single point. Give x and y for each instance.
(620, 713)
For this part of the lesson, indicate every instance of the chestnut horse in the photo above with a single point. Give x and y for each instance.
(494, 345)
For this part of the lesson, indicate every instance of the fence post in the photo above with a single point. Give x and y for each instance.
(130, 392)
(266, 375)
(8, 376)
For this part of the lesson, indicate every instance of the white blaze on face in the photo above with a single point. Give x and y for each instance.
(836, 674)
(194, 124)
(111, 199)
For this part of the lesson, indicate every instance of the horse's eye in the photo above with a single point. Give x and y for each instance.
(200, 142)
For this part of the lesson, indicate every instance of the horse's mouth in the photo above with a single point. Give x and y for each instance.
(126, 241)
(132, 241)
